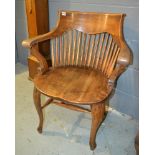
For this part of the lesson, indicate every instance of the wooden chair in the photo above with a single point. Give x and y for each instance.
(88, 53)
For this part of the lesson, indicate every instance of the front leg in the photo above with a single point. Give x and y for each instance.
(37, 103)
(97, 112)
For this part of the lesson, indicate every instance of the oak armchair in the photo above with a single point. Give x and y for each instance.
(88, 54)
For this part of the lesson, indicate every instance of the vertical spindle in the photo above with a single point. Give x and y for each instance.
(82, 49)
(104, 50)
(87, 50)
(100, 52)
(78, 47)
(52, 53)
(96, 50)
(91, 51)
(74, 46)
(113, 61)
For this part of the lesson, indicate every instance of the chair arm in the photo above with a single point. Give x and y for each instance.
(125, 56)
(28, 43)
(32, 42)
(119, 69)
(123, 60)
(43, 66)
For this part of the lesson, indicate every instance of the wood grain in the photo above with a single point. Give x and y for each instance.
(74, 85)
(37, 103)
(97, 112)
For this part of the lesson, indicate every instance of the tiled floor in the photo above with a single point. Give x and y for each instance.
(66, 132)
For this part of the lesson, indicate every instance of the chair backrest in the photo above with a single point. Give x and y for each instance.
(87, 40)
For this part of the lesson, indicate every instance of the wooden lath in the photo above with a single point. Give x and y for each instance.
(65, 105)
(76, 48)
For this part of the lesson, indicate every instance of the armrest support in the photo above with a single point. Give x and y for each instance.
(123, 60)
(43, 66)
(119, 69)
(32, 42)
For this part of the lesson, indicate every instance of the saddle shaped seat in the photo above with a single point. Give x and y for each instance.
(73, 85)
(88, 54)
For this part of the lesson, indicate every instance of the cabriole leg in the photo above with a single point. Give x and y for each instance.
(37, 103)
(97, 112)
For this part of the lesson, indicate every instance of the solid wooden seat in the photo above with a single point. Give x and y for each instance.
(88, 54)
(73, 84)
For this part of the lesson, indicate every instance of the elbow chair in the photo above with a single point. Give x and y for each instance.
(88, 54)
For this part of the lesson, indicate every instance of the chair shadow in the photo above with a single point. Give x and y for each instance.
(74, 138)
(70, 135)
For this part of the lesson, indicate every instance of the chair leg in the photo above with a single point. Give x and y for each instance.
(97, 112)
(37, 103)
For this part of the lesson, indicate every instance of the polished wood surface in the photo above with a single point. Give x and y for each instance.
(88, 54)
(33, 65)
(98, 51)
(86, 23)
(98, 114)
(74, 85)
(37, 103)
(69, 106)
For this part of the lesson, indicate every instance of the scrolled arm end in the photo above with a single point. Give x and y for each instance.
(125, 56)
(27, 43)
